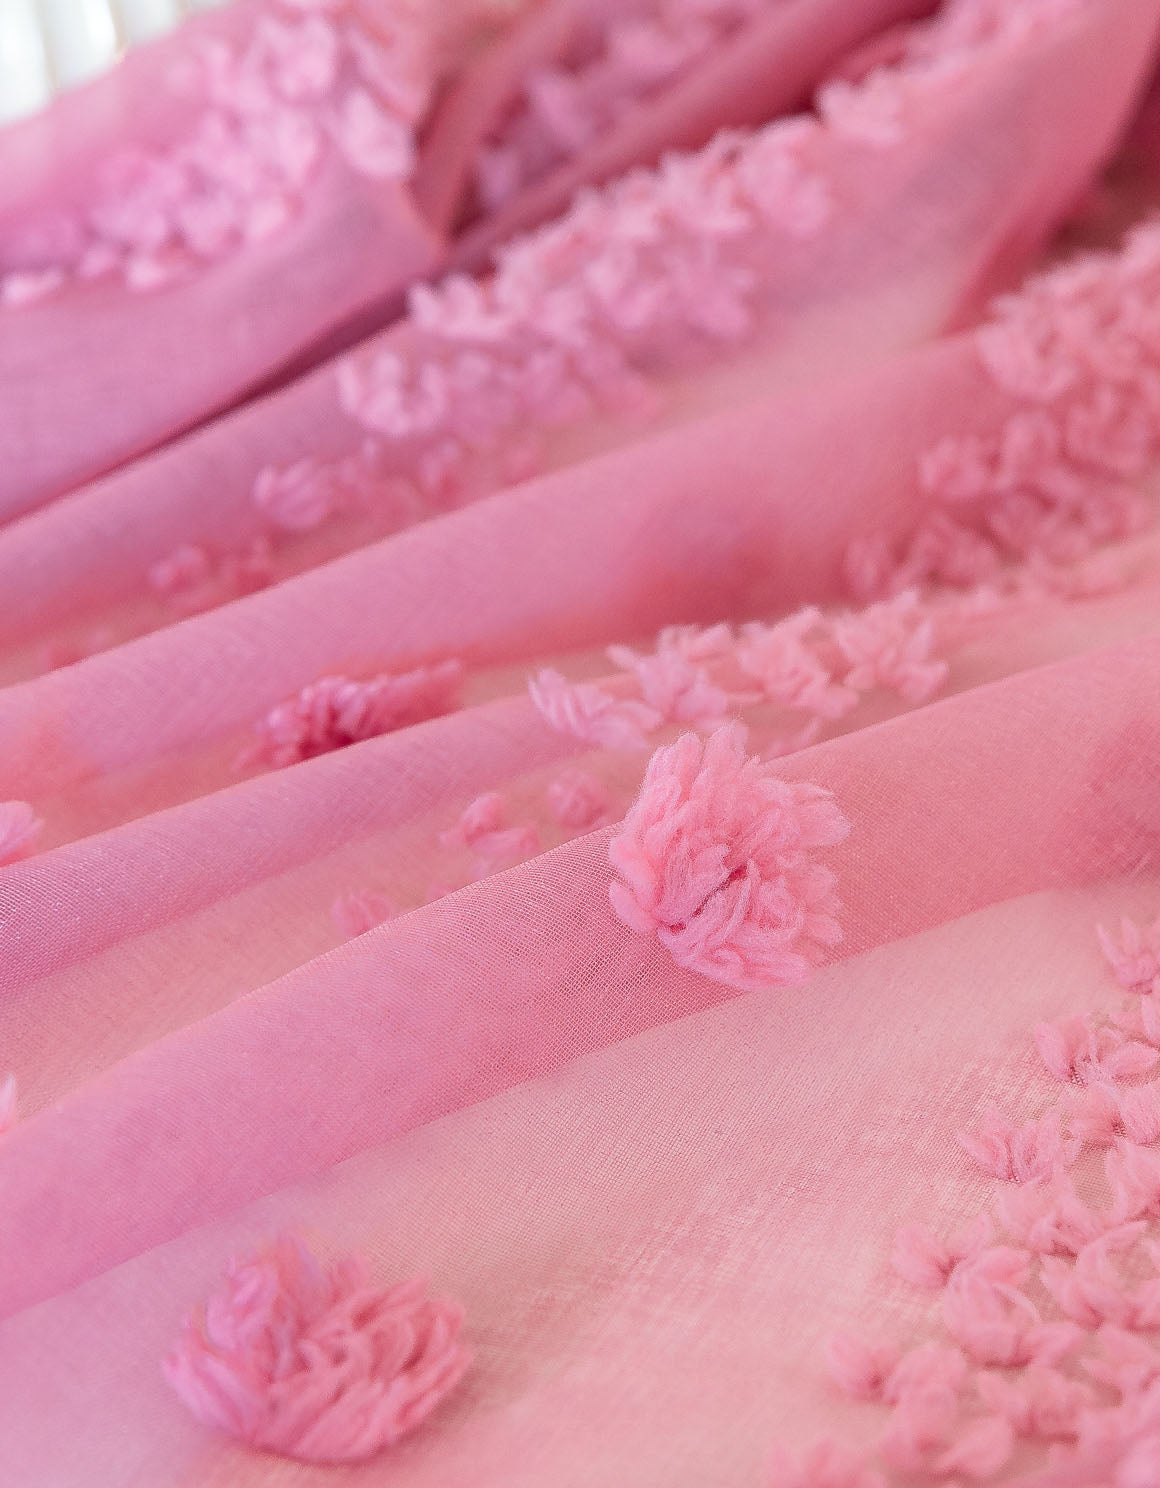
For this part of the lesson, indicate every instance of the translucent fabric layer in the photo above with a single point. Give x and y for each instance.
(579, 881)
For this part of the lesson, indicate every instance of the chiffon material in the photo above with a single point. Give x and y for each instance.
(302, 476)
(86, 339)
(690, 901)
(264, 170)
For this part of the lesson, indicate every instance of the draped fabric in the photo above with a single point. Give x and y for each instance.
(580, 725)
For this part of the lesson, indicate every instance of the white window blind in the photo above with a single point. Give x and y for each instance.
(49, 45)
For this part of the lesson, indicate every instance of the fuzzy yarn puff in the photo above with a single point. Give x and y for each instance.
(716, 859)
(313, 1362)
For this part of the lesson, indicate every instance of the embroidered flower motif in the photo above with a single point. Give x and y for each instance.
(618, 62)
(314, 1362)
(1092, 1293)
(19, 828)
(1020, 1154)
(1135, 957)
(1044, 1406)
(357, 912)
(1075, 1049)
(998, 1326)
(587, 712)
(675, 686)
(1079, 350)
(336, 711)
(495, 851)
(480, 817)
(578, 800)
(375, 142)
(891, 645)
(675, 258)
(925, 1261)
(870, 111)
(298, 497)
(181, 572)
(861, 1370)
(1053, 1336)
(1049, 1217)
(786, 662)
(716, 858)
(305, 74)
(810, 662)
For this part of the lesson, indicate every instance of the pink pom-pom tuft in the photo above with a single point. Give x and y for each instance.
(313, 1362)
(716, 859)
(356, 913)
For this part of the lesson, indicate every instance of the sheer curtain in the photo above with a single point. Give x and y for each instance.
(581, 887)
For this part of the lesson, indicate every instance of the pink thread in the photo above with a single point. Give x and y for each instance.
(1094, 1115)
(931, 1366)
(869, 112)
(357, 912)
(984, 1448)
(8, 1104)
(825, 1465)
(1075, 1275)
(184, 570)
(1127, 1364)
(925, 1261)
(336, 711)
(787, 663)
(1090, 1291)
(190, 579)
(683, 257)
(1074, 1049)
(496, 851)
(920, 1427)
(997, 1326)
(1100, 1114)
(1076, 350)
(808, 662)
(890, 645)
(484, 815)
(616, 62)
(578, 801)
(587, 712)
(1020, 1154)
(1049, 1217)
(924, 1390)
(19, 828)
(314, 1362)
(303, 77)
(298, 497)
(1135, 957)
(374, 142)
(1133, 1174)
(674, 686)
(1044, 1406)
(1140, 1113)
(716, 859)
(860, 1369)
(1143, 1019)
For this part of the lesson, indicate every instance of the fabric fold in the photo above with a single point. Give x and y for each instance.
(401, 1035)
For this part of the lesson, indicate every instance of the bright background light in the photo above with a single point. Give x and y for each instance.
(48, 45)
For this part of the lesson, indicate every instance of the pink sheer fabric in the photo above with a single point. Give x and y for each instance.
(580, 881)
